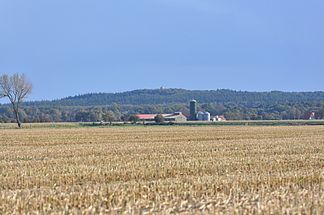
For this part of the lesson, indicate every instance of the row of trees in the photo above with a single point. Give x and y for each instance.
(123, 113)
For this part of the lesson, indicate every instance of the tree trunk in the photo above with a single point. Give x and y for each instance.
(17, 119)
(16, 110)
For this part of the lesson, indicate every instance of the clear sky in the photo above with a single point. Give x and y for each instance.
(69, 47)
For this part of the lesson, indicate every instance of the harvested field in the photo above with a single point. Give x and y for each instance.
(225, 170)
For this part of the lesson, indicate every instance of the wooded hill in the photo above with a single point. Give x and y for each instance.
(181, 96)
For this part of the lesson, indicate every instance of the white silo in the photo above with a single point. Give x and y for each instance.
(203, 116)
(200, 116)
(206, 116)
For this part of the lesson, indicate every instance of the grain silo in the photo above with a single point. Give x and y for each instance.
(206, 116)
(193, 109)
(203, 116)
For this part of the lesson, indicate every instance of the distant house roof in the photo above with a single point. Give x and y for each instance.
(146, 116)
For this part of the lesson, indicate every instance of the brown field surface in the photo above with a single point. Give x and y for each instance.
(162, 170)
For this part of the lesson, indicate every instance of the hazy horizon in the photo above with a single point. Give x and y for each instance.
(74, 47)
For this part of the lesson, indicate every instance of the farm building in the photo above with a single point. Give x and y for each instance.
(194, 115)
(310, 116)
(219, 119)
(174, 117)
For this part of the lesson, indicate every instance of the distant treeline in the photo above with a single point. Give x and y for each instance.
(234, 105)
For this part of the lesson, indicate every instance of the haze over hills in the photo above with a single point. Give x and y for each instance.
(181, 96)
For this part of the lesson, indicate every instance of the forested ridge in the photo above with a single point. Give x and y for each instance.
(234, 105)
(174, 96)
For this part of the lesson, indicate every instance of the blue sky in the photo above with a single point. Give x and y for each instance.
(77, 46)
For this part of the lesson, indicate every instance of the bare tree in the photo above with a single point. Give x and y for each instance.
(15, 88)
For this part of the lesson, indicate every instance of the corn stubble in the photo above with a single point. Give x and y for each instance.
(162, 170)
